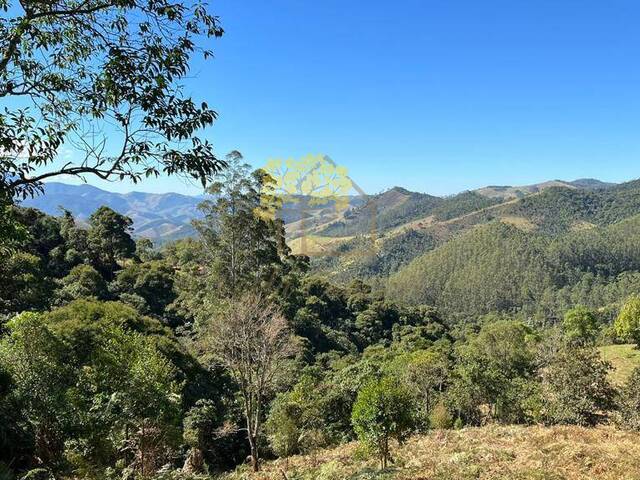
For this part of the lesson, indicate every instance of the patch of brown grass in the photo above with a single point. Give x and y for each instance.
(518, 222)
(487, 453)
(623, 358)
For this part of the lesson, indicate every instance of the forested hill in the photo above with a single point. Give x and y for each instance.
(554, 209)
(156, 362)
(537, 255)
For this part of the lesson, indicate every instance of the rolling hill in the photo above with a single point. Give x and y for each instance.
(554, 209)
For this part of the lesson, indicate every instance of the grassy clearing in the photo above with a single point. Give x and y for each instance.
(487, 453)
(314, 244)
(624, 359)
(519, 222)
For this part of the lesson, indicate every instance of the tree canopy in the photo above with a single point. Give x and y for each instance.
(95, 88)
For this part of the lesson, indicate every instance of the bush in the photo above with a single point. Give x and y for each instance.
(628, 322)
(630, 402)
(580, 325)
(493, 369)
(83, 281)
(575, 388)
(282, 426)
(440, 417)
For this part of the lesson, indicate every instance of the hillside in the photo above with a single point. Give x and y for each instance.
(160, 217)
(493, 267)
(559, 209)
(486, 453)
(502, 267)
(505, 192)
(383, 211)
(624, 359)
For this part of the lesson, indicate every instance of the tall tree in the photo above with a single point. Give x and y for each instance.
(243, 242)
(102, 78)
(109, 239)
(251, 339)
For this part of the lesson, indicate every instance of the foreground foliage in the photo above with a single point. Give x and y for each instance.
(122, 361)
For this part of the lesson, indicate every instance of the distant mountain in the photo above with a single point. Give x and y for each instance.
(164, 217)
(555, 205)
(591, 183)
(160, 217)
(506, 192)
(381, 212)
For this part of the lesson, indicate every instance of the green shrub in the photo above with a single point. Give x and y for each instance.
(282, 426)
(630, 402)
(383, 411)
(628, 322)
(575, 387)
(440, 417)
(580, 325)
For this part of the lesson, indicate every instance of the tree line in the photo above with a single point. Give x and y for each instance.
(501, 267)
(121, 360)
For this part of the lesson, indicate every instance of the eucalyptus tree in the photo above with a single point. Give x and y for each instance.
(243, 243)
(103, 78)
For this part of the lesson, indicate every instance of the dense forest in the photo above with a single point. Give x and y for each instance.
(499, 267)
(121, 360)
(224, 354)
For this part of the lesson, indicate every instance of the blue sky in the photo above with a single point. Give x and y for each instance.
(436, 96)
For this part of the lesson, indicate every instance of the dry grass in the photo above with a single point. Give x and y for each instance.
(581, 225)
(623, 358)
(314, 244)
(488, 453)
(519, 222)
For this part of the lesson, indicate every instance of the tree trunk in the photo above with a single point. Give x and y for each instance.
(194, 462)
(385, 452)
(255, 460)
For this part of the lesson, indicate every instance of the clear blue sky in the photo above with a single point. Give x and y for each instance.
(436, 96)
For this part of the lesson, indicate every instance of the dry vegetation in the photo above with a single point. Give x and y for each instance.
(623, 358)
(493, 452)
(315, 245)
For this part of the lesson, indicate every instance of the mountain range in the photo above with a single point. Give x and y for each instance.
(164, 217)
(158, 216)
(535, 249)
